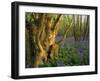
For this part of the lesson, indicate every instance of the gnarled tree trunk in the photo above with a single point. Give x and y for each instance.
(44, 38)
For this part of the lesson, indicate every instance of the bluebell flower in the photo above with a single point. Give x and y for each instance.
(80, 50)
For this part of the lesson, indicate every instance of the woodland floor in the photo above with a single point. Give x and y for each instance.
(71, 53)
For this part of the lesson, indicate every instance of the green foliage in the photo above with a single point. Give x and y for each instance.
(29, 17)
(85, 60)
(70, 56)
(65, 24)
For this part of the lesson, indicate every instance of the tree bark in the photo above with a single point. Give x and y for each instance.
(45, 40)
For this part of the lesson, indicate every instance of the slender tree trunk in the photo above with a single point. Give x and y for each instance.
(86, 27)
(80, 27)
(74, 27)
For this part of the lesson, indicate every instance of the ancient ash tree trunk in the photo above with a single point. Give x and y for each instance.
(44, 38)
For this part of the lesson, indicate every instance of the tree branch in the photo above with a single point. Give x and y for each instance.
(56, 21)
(65, 34)
(42, 20)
